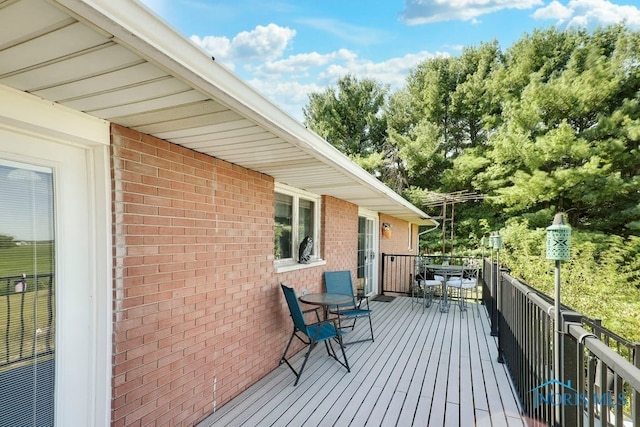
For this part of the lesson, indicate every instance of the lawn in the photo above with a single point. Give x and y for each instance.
(29, 259)
(24, 316)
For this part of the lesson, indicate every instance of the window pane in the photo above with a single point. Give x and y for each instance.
(283, 223)
(305, 219)
(27, 295)
(362, 248)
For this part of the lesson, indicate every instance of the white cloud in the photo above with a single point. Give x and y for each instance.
(262, 43)
(258, 56)
(428, 11)
(346, 31)
(392, 71)
(289, 95)
(555, 10)
(587, 13)
(304, 61)
(288, 82)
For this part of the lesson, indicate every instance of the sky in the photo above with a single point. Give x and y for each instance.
(287, 49)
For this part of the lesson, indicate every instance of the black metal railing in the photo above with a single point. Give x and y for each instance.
(600, 375)
(26, 317)
(398, 270)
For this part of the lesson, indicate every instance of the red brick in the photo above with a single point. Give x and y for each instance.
(194, 282)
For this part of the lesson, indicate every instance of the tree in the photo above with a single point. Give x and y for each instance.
(352, 118)
(349, 116)
(550, 125)
(6, 241)
(558, 147)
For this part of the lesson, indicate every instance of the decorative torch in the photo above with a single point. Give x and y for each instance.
(558, 249)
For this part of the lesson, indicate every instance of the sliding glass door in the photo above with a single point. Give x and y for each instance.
(367, 254)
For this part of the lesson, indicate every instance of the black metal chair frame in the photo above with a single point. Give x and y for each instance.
(352, 310)
(320, 331)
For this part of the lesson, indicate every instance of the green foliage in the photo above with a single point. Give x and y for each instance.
(557, 145)
(349, 116)
(600, 280)
(7, 241)
(551, 124)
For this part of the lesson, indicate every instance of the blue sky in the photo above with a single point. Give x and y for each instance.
(289, 48)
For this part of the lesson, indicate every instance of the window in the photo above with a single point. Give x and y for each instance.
(296, 216)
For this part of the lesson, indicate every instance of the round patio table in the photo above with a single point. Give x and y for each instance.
(326, 300)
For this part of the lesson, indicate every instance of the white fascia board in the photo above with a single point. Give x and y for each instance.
(136, 26)
(32, 113)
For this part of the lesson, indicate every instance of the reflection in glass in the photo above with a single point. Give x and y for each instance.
(283, 224)
(305, 219)
(27, 295)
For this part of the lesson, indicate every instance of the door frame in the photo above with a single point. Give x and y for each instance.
(375, 244)
(27, 116)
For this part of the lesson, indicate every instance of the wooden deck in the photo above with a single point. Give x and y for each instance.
(425, 368)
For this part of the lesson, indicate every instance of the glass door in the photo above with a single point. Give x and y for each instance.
(27, 295)
(367, 255)
(47, 290)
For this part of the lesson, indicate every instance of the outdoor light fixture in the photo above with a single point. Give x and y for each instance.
(497, 241)
(558, 249)
(386, 230)
(558, 239)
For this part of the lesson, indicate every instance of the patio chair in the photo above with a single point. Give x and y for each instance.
(311, 333)
(465, 283)
(339, 282)
(425, 285)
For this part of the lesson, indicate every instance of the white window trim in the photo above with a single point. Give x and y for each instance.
(290, 264)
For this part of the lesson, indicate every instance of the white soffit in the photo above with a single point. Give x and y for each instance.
(117, 61)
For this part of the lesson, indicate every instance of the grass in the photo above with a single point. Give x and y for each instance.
(29, 259)
(24, 317)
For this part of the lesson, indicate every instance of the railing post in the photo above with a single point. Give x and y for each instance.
(597, 330)
(571, 413)
(382, 272)
(500, 316)
(494, 298)
(635, 398)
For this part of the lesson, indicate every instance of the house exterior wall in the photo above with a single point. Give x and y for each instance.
(398, 243)
(339, 234)
(198, 311)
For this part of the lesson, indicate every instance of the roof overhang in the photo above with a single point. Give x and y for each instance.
(117, 61)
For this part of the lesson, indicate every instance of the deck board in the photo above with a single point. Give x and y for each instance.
(424, 368)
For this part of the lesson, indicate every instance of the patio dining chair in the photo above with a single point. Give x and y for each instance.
(339, 282)
(425, 285)
(311, 333)
(464, 284)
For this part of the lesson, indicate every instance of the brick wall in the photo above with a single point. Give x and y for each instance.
(339, 234)
(196, 299)
(398, 243)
